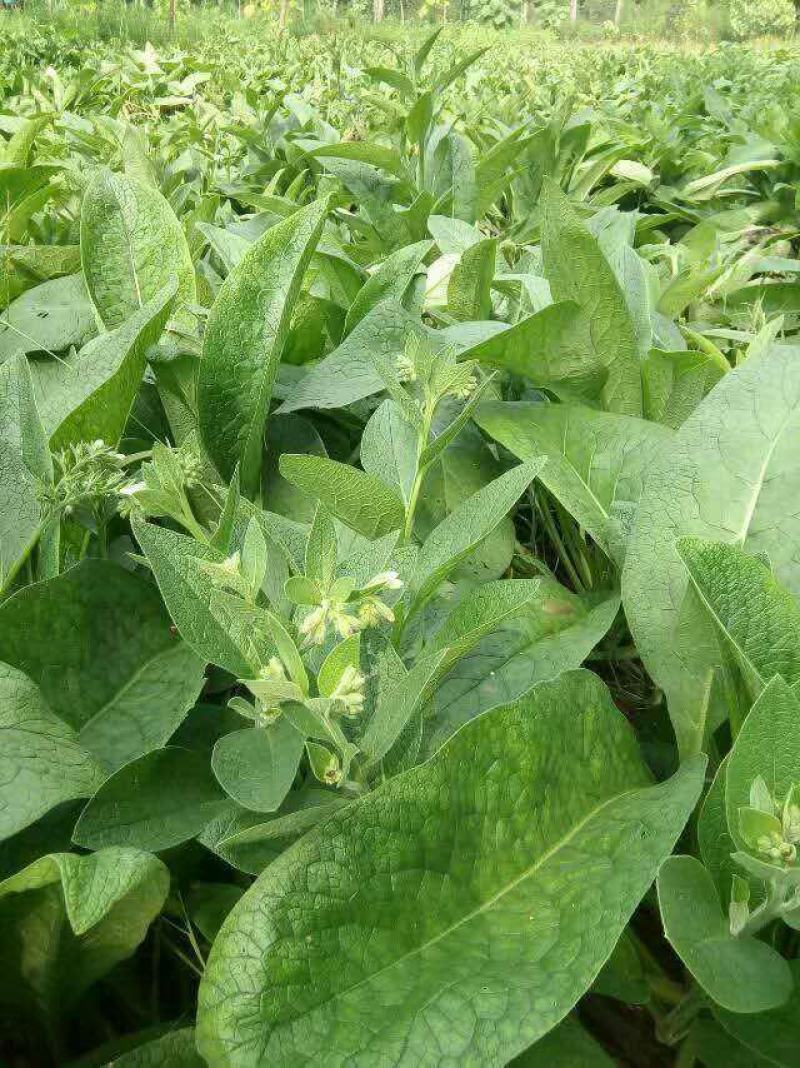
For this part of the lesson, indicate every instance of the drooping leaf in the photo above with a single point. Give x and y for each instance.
(389, 282)
(773, 1035)
(597, 461)
(90, 394)
(389, 448)
(66, 920)
(530, 906)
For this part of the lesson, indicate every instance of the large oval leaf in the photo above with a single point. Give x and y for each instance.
(457, 913)
(132, 246)
(734, 464)
(245, 334)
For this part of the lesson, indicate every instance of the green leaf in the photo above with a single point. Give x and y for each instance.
(389, 449)
(566, 1046)
(727, 478)
(527, 907)
(577, 270)
(740, 973)
(553, 349)
(674, 383)
(360, 500)
(97, 641)
(773, 1035)
(469, 290)
(257, 766)
(766, 747)
(350, 373)
(175, 1049)
(49, 318)
(188, 593)
(155, 802)
(752, 611)
(132, 247)
(90, 394)
(245, 334)
(42, 763)
(555, 633)
(26, 266)
(719, 1049)
(714, 838)
(391, 281)
(465, 528)
(596, 461)
(66, 920)
(25, 464)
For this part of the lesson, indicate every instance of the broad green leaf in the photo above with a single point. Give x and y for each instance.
(623, 975)
(555, 633)
(718, 1048)
(90, 394)
(66, 920)
(25, 266)
(674, 383)
(740, 973)
(773, 1035)
(132, 247)
(245, 334)
(360, 500)
(752, 611)
(97, 641)
(577, 270)
(257, 766)
(175, 1049)
(42, 763)
(188, 592)
(469, 290)
(733, 465)
(551, 348)
(465, 528)
(389, 449)
(531, 899)
(596, 461)
(49, 318)
(24, 465)
(155, 802)
(349, 373)
(766, 747)
(713, 836)
(390, 281)
(567, 1046)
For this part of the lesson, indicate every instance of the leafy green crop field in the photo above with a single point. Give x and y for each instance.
(399, 552)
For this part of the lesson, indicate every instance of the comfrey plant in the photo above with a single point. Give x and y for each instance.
(398, 561)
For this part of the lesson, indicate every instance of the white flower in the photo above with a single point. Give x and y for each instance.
(386, 580)
(373, 612)
(350, 691)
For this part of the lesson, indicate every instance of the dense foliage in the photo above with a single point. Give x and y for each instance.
(399, 554)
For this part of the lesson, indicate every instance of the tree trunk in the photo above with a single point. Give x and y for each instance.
(377, 10)
(573, 11)
(284, 15)
(618, 10)
(172, 15)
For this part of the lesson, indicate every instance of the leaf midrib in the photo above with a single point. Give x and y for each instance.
(470, 916)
